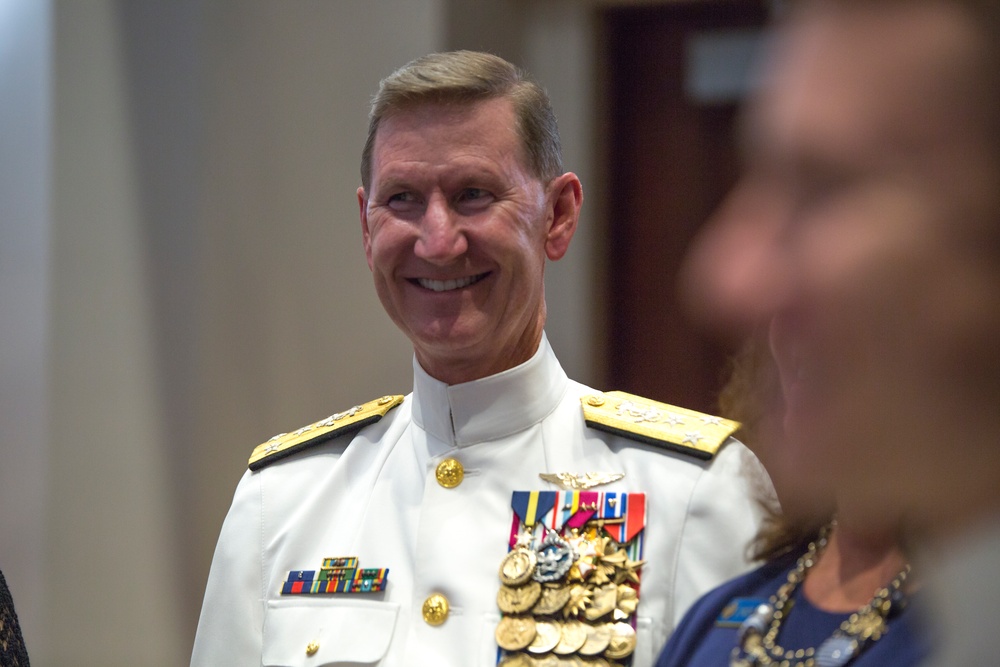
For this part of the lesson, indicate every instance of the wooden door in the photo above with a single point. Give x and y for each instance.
(671, 159)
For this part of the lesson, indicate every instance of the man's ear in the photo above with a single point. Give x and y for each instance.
(567, 198)
(365, 233)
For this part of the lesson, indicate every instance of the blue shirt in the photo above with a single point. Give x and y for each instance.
(699, 641)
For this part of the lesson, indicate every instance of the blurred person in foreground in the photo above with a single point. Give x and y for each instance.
(500, 512)
(830, 591)
(866, 232)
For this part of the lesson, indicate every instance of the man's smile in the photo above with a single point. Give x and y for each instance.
(448, 285)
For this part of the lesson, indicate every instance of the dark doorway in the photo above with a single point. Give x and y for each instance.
(672, 157)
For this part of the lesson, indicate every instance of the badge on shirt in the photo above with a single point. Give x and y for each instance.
(737, 611)
(570, 580)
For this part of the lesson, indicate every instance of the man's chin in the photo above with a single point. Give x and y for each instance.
(448, 338)
(450, 345)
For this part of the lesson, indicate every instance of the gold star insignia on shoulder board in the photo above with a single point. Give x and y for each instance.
(340, 423)
(654, 423)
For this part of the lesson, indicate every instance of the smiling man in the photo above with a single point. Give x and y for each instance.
(500, 512)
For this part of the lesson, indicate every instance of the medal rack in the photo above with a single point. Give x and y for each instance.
(569, 584)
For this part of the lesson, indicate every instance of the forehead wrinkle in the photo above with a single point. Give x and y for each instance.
(452, 121)
(456, 173)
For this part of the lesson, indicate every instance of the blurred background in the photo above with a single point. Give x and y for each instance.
(181, 272)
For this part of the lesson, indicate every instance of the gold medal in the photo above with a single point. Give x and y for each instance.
(517, 566)
(628, 600)
(552, 600)
(517, 660)
(515, 632)
(573, 635)
(622, 641)
(598, 638)
(603, 602)
(518, 599)
(579, 599)
(547, 635)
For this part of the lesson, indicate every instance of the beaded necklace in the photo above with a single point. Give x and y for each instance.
(758, 635)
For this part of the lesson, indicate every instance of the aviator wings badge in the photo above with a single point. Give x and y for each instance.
(582, 482)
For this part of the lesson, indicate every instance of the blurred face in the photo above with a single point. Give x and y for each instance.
(457, 232)
(864, 232)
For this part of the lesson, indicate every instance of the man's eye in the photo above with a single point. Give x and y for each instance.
(401, 197)
(402, 201)
(473, 200)
(472, 194)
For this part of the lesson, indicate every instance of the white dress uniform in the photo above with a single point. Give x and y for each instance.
(374, 495)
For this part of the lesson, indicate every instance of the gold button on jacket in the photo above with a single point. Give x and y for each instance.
(435, 609)
(450, 473)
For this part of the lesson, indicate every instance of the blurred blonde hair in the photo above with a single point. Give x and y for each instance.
(751, 396)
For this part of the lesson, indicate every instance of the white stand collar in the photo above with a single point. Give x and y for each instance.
(491, 407)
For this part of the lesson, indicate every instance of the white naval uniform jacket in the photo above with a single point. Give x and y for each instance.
(374, 495)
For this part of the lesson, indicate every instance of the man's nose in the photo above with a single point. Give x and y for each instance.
(738, 272)
(442, 236)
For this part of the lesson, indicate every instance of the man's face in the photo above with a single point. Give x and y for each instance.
(457, 231)
(864, 233)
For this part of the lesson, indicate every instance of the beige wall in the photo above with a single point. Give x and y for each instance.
(181, 274)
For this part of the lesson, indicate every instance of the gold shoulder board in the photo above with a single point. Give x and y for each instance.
(638, 418)
(286, 444)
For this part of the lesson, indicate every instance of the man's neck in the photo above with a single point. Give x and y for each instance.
(459, 368)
